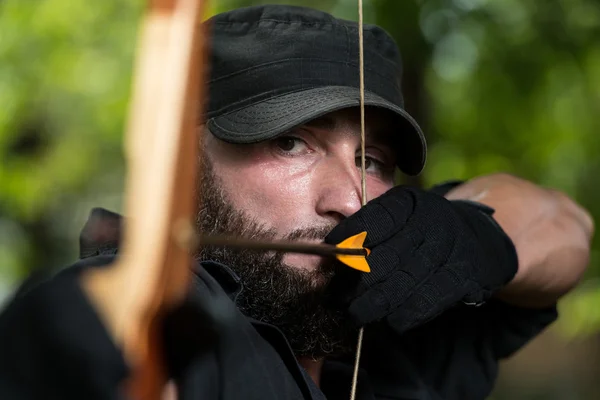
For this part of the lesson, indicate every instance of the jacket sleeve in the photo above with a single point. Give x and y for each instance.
(54, 346)
(453, 357)
(457, 356)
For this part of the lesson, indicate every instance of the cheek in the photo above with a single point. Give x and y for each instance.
(278, 198)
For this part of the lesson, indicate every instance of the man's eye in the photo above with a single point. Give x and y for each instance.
(369, 162)
(373, 165)
(289, 144)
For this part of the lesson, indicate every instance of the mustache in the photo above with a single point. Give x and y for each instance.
(310, 233)
(328, 266)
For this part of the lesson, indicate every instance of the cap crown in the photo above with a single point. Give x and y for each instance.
(264, 51)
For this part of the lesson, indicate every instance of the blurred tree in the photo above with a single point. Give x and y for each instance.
(64, 85)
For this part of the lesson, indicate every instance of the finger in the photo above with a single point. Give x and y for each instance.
(393, 255)
(385, 259)
(381, 299)
(348, 284)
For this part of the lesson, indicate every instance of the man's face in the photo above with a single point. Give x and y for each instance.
(307, 178)
(297, 186)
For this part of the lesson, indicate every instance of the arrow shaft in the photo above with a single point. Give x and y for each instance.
(319, 249)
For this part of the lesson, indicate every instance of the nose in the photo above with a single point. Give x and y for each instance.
(339, 190)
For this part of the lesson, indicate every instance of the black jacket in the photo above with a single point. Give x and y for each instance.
(53, 346)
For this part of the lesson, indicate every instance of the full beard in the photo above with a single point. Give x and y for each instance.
(294, 300)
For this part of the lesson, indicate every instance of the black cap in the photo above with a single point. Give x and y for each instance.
(276, 67)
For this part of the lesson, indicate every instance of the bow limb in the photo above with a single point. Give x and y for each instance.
(162, 143)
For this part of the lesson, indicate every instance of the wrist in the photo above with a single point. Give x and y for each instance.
(500, 262)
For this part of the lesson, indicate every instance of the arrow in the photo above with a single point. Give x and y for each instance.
(350, 251)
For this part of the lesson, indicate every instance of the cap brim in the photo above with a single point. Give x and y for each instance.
(274, 116)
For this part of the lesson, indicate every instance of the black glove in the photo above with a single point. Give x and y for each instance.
(427, 255)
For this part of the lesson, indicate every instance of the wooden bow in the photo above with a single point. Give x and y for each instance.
(162, 142)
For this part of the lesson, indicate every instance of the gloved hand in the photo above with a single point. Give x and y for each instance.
(427, 255)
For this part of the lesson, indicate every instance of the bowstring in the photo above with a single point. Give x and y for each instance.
(362, 172)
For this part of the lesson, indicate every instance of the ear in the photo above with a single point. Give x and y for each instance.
(101, 232)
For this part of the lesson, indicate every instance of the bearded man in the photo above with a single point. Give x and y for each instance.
(462, 275)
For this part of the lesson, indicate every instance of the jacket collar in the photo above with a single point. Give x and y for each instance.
(224, 275)
(102, 233)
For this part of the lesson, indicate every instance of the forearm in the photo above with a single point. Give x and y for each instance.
(551, 234)
(546, 281)
(457, 354)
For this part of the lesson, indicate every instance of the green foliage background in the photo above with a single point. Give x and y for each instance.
(498, 85)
